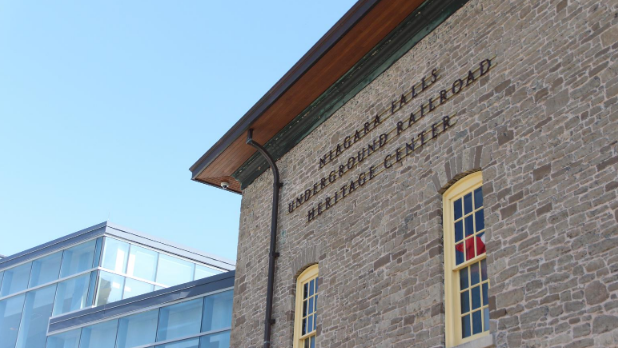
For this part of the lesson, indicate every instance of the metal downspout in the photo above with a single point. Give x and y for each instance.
(268, 321)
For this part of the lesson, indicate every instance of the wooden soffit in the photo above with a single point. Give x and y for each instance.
(350, 39)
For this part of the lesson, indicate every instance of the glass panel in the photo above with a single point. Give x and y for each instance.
(307, 343)
(91, 289)
(459, 255)
(77, 259)
(458, 231)
(304, 308)
(465, 302)
(480, 220)
(478, 198)
(311, 287)
(480, 243)
(101, 335)
(15, 279)
(477, 323)
(305, 290)
(10, 317)
(179, 320)
(485, 294)
(1, 275)
(204, 272)
(312, 342)
(45, 269)
(110, 288)
(220, 340)
(134, 287)
(173, 271)
(192, 343)
(486, 318)
(115, 255)
(463, 279)
(468, 203)
(97, 251)
(304, 326)
(310, 323)
(217, 311)
(457, 208)
(36, 313)
(474, 274)
(158, 287)
(476, 297)
(142, 263)
(469, 225)
(69, 339)
(484, 269)
(137, 330)
(71, 294)
(465, 326)
(469, 250)
(310, 306)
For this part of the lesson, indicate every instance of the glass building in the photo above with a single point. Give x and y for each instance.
(91, 268)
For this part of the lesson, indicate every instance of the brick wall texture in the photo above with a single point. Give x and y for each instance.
(542, 126)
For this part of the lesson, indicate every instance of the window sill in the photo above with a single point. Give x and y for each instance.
(481, 342)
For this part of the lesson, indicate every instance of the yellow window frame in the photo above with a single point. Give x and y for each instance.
(452, 306)
(308, 275)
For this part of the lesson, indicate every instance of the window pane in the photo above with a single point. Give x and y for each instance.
(69, 339)
(36, 313)
(71, 294)
(173, 271)
(45, 269)
(15, 279)
(468, 203)
(110, 288)
(217, 311)
(486, 318)
(137, 330)
(219, 340)
(142, 263)
(179, 320)
(485, 294)
(457, 209)
(77, 259)
(10, 317)
(99, 336)
(134, 287)
(469, 220)
(311, 287)
(480, 220)
(465, 326)
(1, 275)
(115, 255)
(203, 272)
(478, 198)
(192, 343)
(476, 297)
(465, 302)
(463, 279)
(477, 323)
(459, 255)
(474, 274)
(458, 231)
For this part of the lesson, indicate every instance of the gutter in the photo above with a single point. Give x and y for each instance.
(272, 255)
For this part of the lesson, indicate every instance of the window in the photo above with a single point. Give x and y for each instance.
(173, 271)
(466, 282)
(10, 317)
(77, 259)
(115, 255)
(15, 279)
(179, 320)
(137, 330)
(45, 269)
(36, 312)
(101, 335)
(142, 263)
(71, 295)
(306, 308)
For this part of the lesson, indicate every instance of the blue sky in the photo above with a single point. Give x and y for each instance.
(104, 105)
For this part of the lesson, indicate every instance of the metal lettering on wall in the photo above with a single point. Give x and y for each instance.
(416, 142)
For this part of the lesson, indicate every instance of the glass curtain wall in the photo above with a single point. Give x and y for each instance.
(53, 284)
(131, 270)
(198, 323)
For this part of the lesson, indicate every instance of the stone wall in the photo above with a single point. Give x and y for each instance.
(542, 126)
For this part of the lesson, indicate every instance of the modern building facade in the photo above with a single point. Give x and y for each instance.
(448, 174)
(90, 268)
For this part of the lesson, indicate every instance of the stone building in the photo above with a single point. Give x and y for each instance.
(449, 173)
